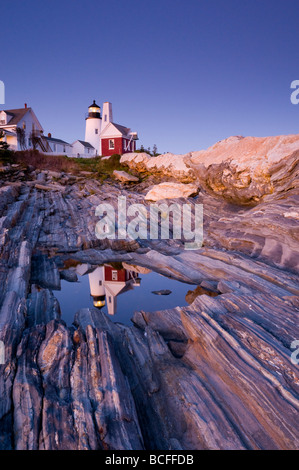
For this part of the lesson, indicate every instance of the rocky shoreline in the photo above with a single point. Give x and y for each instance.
(213, 375)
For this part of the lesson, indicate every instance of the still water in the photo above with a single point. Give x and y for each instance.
(118, 290)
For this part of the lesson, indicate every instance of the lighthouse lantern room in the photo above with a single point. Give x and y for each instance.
(94, 126)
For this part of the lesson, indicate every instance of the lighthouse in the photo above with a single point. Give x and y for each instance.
(94, 126)
(107, 282)
(96, 285)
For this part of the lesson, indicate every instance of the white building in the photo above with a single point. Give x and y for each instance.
(59, 147)
(21, 127)
(22, 130)
(82, 149)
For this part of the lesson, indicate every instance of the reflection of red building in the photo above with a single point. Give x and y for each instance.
(117, 275)
(107, 282)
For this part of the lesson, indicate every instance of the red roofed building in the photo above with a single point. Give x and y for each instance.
(106, 136)
(117, 139)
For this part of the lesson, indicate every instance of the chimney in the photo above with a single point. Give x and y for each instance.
(49, 135)
(25, 105)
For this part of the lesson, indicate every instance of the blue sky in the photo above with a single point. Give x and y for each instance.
(183, 73)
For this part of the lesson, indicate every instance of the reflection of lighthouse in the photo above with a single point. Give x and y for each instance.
(108, 282)
(97, 289)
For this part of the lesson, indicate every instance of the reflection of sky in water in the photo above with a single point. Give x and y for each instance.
(76, 295)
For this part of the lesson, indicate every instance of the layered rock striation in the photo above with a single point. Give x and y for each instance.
(216, 374)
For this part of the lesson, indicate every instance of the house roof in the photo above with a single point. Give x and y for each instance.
(17, 115)
(122, 129)
(58, 141)
(85, 144)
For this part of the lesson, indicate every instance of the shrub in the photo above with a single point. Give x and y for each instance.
(45, 162)
(6, 156)
(102, 169)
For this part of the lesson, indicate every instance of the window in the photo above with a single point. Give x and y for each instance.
(2, 122)
(105, 118)
(114, 275)
(54, 147)
(96, 131)
(24, 125)
(111, 144)
(64, 149)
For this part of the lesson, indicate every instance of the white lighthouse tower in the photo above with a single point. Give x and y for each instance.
(96, 285)
(94, 127)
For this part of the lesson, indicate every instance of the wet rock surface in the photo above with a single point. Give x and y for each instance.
(216, 374)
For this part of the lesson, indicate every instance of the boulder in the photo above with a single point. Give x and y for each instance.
(124, 177)
(256, 153)
(171, 191)
(50, 187)
(86, 173)
(167, 164)
(245, 169)
(42, 176)
(162, 292)
(55, 174)
(69, 275)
